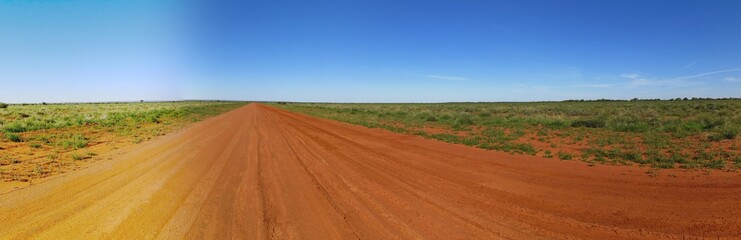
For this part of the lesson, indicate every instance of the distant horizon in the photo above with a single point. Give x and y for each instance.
(279, 101)
(368, 51)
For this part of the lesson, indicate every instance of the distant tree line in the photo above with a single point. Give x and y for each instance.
(5, 105)
(657, 99)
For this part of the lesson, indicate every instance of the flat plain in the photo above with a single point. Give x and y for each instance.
(38, 141)
(260, 172)
(688, 134)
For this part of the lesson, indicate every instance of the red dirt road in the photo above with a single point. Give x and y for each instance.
(263, 173)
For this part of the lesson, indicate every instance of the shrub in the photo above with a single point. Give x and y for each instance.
(547, 154)
(715, 164)
(556, 124)
(13, 137)
(690, 165)
(589, 123)
(634, 157)
(727, 133)
(663, 165)
(463, 120)
(76, 141)
(526, 148)
(87, 155)
(565, 156)
(711, 123)
(445, 137)
(427, 116)
(630, 126)
(15, 127)
(78, 157)
(472, 141)
(3, 105)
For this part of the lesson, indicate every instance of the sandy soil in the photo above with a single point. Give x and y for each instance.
(262, 173)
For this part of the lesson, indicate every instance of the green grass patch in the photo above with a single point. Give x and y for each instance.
(565, 156)
(13, 137)
(616, 132)
(75, 141)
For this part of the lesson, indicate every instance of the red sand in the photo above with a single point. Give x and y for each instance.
(262, 173)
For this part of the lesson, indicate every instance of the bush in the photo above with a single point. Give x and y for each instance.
(565, 156)
(663, 165)
(727, 133)
(631, 126)
(76, 141)
(715, 164)
(463, 120)
(427, 116)
(13, 137)
(589, 123)
(3, 105)
(15, 127)
(525, 148)
(547, 154)
(634, 157)
(78, 157)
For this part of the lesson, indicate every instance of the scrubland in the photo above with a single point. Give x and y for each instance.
(691, 134)
(40, 140)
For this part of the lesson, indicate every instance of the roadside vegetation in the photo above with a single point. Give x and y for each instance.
(681, 133)
(39, 140)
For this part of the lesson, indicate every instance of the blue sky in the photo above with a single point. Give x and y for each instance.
(368, 51)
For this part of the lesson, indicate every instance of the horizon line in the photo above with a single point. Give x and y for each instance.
(340, 102)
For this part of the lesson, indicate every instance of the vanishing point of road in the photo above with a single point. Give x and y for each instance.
(260, 172)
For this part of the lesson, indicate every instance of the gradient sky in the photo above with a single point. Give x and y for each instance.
(368, 51)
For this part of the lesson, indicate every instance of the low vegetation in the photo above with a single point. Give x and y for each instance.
(681, 133)
(59, 136)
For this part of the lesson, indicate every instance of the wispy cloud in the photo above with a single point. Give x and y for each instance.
(692, 64)
(708, 73)
(442, 77)
(637, 80)
(599, 85)
(630, 75)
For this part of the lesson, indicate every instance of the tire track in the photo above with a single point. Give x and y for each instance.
(263, 173)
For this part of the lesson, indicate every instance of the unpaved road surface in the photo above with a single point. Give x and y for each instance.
(263, 173)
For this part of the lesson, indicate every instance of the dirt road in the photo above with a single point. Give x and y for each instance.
(263, 173)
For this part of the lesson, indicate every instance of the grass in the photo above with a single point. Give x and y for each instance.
(660, 134)
(120, 116)
(565, 156)
(78, 157)
(39, 134)
(547, 154)
(13, 137)
(75, 142)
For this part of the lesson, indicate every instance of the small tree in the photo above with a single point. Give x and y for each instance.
(3, 105)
